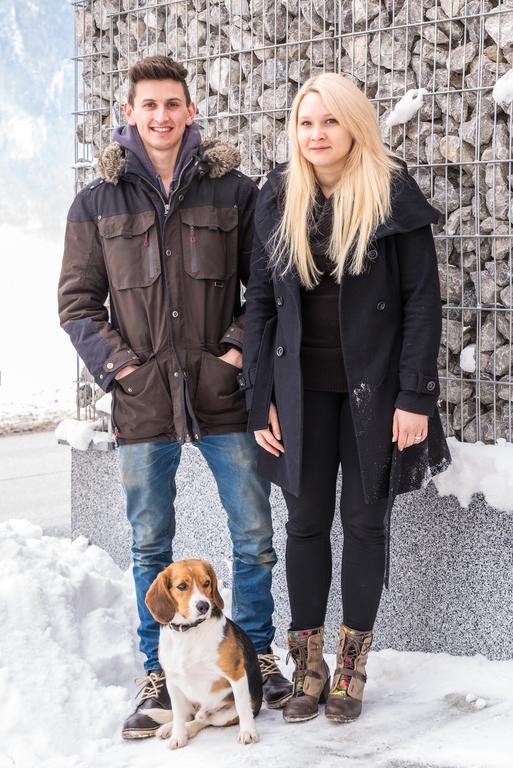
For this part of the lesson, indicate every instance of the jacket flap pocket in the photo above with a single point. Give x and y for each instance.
(210, 217)
(126, 224)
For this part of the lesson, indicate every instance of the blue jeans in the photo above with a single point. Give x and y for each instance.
(148, 474)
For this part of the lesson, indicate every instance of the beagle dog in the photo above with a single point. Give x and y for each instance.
(211, 667)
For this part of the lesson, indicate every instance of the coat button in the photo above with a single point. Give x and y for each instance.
(109, 366)
(279, 301)
(174, 313)
(279, 351)
(430, 386)
(168, 252)
(380, 306)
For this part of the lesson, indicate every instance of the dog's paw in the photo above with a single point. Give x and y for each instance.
(178, 741)
(164, 732)
(247, 737)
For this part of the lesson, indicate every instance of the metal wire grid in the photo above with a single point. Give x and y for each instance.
(246, 60)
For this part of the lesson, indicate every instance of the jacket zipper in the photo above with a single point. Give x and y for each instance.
(185, 436)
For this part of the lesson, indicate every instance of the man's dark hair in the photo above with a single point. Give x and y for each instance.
(157, 68)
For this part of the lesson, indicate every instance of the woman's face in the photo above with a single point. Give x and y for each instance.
(323, 141)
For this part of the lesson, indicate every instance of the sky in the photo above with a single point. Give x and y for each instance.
(36, 159)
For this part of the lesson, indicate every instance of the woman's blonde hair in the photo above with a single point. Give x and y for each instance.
(361, 200)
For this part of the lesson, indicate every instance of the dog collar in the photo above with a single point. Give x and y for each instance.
(185, 627)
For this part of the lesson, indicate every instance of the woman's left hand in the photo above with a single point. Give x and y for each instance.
(408, 428)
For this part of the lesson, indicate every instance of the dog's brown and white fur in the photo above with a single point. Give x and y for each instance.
(210, 664)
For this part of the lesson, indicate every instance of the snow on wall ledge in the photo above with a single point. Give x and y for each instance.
(479, 468)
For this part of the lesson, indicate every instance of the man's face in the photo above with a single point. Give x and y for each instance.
(160, 113)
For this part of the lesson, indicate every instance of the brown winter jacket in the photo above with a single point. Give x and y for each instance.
(172, 271)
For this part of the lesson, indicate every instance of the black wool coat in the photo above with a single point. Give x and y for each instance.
(390, 321)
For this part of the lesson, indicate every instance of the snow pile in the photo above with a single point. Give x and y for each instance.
(479, 468)
(67, 647)
(68, 656)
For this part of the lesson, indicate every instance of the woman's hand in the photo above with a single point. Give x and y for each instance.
(269, 438)
(408, 428)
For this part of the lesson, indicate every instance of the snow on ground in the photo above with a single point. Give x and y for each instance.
(68, 657)
(38, 363)
(479, 468)
(26, 410)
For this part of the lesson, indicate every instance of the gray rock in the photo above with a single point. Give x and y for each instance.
(238, 8)
(485, 430)
(463, 414)
(500, 26)
(102, 12)
(505, 324)
(277, 100)
(447, 195)
(455, 150)
(500, 361)
(460, 222)
(223, 73)
(490, 338)
(451, 282)
(485, 287)
(507, 296)
(505, 389)
(388, 50)
(500, 272)
(452, 335)
(455, 391)
(500, 150)
(459, 58)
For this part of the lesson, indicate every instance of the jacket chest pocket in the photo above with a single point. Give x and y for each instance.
(209, 242)
(130, 246)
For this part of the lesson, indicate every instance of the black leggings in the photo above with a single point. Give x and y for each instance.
(328, 441)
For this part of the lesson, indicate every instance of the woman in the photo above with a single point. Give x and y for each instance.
(340, 364)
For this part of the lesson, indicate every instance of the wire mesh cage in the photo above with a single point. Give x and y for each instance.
(437, 73)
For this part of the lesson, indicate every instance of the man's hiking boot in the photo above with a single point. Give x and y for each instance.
(153, 709)
(345, 698)
(276, 688)
(311, 677)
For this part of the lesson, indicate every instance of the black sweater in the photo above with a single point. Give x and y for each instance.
(322, 363)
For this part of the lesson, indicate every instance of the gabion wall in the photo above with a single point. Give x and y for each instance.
(246, 60)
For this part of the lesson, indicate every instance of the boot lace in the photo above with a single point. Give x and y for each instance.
(346, 660)
(150, 685)
(299, 654)
(268, 664)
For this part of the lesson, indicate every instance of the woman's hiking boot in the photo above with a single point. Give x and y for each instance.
(345, 697)
(311, 678)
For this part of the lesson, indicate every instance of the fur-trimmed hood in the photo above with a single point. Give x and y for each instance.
(219, 157)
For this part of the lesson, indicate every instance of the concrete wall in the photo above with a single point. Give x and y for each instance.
(451, 568)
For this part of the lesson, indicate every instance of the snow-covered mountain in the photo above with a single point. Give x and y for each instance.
(36, 158)
(36, 102)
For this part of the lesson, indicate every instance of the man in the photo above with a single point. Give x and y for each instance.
(166, 233)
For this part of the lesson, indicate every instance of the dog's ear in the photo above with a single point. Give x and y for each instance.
(216, 597)
(160, 601)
